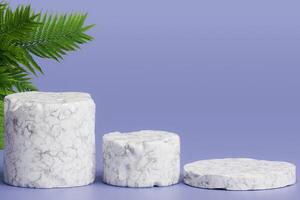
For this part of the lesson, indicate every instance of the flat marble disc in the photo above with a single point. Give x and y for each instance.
(239, 174)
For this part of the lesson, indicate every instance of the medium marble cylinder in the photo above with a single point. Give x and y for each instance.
(141, 159)
(49, 139)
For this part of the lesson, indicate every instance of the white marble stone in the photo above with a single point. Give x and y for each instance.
(49, 139)
(141, 159)
(239, 174)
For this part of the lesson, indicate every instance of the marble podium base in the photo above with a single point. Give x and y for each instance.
(239, 174)
(141, 159)
(49, 139)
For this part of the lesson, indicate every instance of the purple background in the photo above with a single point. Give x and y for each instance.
(222, 74)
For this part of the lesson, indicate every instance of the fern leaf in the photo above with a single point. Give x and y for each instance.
(18, 57)
(13, 79)
(18, 23)
(56, 35)
(1, 122)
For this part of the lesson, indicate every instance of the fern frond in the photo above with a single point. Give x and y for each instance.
(18, 23)
(17, 57)
(56, 35)
(1, 122)
(3, 5)
(14, 80)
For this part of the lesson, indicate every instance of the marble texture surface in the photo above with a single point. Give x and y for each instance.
(141, 159)
(239, 174)
(49, 139)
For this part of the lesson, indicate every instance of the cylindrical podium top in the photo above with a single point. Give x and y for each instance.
(48, 97)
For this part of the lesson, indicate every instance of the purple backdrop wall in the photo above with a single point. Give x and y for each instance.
(223, 74)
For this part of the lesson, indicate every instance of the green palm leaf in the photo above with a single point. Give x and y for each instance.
(14, 26)
(1, 122)
(17, 24)
(57, 35)
(14, 79)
